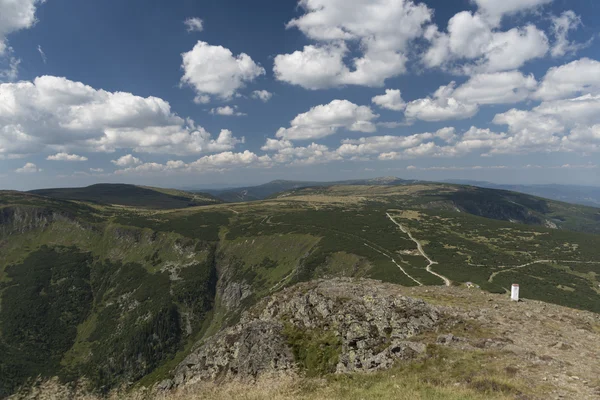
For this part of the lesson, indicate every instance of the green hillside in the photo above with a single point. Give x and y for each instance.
(261, 192)
(131, 196)
(120, 295)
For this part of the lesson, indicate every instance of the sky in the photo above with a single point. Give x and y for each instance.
(198, 93)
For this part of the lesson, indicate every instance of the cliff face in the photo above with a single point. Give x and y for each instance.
(19, 219)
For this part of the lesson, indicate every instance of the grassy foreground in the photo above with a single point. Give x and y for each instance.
(445, 374)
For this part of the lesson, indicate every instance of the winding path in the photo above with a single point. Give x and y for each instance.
(507, 269)
(420, 248)
(394, 261)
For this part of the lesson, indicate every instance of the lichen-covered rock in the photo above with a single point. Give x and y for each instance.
(247, 350)
(370, 321)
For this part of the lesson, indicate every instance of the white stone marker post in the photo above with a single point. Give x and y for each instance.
(514, 295)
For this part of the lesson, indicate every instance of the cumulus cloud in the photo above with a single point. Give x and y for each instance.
(215, 71)
(127, 161)
(194, 24)
(497, 88)
(276, 145)
(227, 111)
(66, 157)
(14, 16)
(575, 78)
(391, 100)
(29, 168)
(378, 144)
(383, 30)
(262, 95)
(96, 170)
(212, 163)
(557, 125)
(315, 67)
(442, 106)
(494, 10)
(56, 114)
(328, 119)
(474, 41)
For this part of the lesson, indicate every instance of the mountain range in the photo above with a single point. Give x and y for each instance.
(150, 291)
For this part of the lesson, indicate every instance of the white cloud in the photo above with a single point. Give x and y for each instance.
(14, 16)
(29, 168)
(215, 71)
(447, 134)
(9, 67)
(42, 54)
(66, 157)
(262, 95)
(561, 26)
(127, 161)
(212, 163)
(576, 78)
(227, 111)
(56, 114)
(558, 125)
(473, 40)
(391, 100)
(494, 10)
(315, 67)
(497, 88)
(442, 106)
(96, 170)
(309, 155)
(383, 30)
(328, 119)
(194, 24)
(276, 145)
(378, 144)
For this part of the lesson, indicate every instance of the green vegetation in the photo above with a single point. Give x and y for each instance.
(47, 297)
(119, 295)
(316, 352)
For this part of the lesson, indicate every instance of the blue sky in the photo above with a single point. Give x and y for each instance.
(190, 93)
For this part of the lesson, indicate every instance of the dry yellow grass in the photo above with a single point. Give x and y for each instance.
(382, 386)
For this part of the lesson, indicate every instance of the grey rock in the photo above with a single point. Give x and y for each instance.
(371, 323)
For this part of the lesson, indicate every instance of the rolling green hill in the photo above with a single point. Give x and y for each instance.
(120, 295)
(131, 196)
(261, 192)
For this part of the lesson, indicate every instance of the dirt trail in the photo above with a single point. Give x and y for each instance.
(420, 248)
(507, 269)
(394, 261)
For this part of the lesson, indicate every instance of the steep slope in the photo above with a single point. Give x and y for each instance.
(131, 196)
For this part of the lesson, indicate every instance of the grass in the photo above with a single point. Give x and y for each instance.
(316, 352)
(441, 375)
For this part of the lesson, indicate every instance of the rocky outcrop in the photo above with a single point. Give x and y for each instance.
(17, 220)
(370, 322)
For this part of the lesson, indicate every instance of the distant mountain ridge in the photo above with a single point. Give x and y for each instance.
(130, 195)
(576, 194)
(261, 192)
